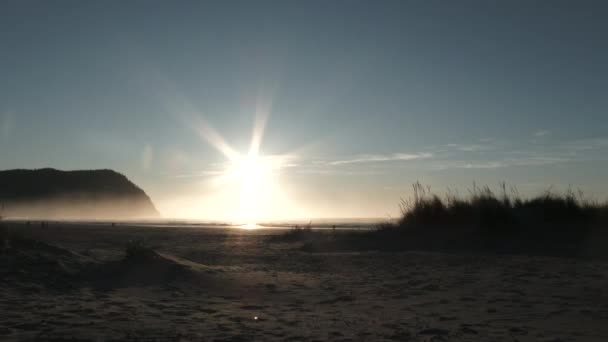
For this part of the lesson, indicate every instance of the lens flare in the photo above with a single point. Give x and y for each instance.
(247, 183)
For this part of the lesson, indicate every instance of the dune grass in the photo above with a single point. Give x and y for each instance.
(549, 223)
(297, 233)
(485, 210)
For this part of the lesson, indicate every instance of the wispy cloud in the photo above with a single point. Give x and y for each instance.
(542, 133)
(586, 144)
(468, 147)
(531, 161)
(368, 158)
(329, 171)
(490, 155)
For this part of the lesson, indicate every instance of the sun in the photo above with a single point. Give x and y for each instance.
(250, 171)
(254, 176)
(247, 187)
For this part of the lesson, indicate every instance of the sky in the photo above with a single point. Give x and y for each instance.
(346, 103)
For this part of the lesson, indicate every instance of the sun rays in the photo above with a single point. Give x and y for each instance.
(248, 181)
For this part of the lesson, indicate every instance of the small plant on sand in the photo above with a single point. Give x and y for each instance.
(297, 233)
(137, 249)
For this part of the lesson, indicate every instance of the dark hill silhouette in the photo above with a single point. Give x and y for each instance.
(85, 194)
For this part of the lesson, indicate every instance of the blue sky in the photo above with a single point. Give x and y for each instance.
(361, 98)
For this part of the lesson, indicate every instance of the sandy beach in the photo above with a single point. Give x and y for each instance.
(235, 285)
(303, 171)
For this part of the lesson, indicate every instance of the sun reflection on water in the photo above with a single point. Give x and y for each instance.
(249, 226)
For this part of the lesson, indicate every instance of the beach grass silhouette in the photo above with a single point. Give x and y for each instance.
(549, 223)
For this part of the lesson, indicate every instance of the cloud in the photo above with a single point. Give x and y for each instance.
(586, 144)
(475, 155)
(331, 171)
(368, 158)
(468, 147)
(507, 162)
(484, 165)
(542, 133)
